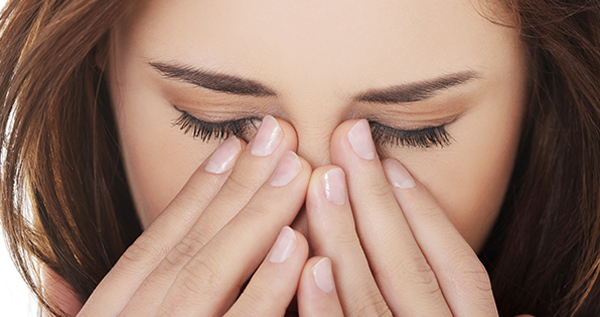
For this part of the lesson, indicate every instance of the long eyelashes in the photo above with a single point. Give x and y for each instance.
(382, 134)
(424, 138)
(206, 130)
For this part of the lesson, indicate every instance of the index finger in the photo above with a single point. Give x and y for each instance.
(156, 241)
(462, 277)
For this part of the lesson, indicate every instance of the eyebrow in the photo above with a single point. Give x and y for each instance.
(416, 91)
(404, 93)
(214, 81)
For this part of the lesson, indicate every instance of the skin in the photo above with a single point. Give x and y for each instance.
(317, 57)
(402, 232)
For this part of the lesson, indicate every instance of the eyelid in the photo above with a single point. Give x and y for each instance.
(218, 115)
(424, 137)
(207, 130)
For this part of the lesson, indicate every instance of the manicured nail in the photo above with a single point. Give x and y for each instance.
(334, 186)
(284, 246)
(223, 158)
(267, 138)
(397, 175)
(361, 140)
(323, 275)
(289, 167)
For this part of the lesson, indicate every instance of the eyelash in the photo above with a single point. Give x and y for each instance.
(382, 134)
(423, 138)
(206, 130)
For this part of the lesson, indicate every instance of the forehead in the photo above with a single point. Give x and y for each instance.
(354, 44)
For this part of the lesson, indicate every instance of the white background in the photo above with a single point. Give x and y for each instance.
(15, 298)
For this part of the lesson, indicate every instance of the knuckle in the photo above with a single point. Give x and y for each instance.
(201, 277)
(372, 305)
(259, 211)
(181, 253)
(236, 184)
(145, 249)
(419, 272)
(380, 189)
(470, 273)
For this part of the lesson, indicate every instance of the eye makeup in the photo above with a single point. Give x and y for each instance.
(220, 130)
(421, 138)
(383, 135)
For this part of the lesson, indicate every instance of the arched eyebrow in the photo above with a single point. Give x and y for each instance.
(214, 81)
(404, 93)
(416, 91)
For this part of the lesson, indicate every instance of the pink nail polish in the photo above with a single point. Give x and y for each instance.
(223, 159)
(334, 186)
(284, 246)
(268, 137)
(397, 175)
(289, 167)
(323, 275)
(361, 140)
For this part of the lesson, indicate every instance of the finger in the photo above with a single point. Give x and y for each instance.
(166, 230)
(209, 282)
(274, 284)
(317, 295)
(60, 292)
(403, 275)
(462, 277)
(274, 138)
(333, 234)
(252, 169)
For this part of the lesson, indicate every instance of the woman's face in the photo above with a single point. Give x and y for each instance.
(404, 64)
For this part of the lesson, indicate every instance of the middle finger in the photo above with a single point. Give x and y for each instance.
(402, 272)
(333, 234)
(252, 169)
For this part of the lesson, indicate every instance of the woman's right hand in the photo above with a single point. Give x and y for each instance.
(196, 256)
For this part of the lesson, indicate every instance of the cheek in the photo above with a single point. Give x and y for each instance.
(157, 165)
(470, 177)
(158, 157)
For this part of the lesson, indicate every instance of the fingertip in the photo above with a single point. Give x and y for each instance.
(302, 244)
(339, 144)
(323, 275)
(306, 169)
(317, 295)
(397, 175)
(290, 135)
(321, 170)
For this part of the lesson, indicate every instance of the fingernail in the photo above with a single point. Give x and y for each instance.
(289, 167)
(361, 140)
(323, 275)
(223, 158)
(397, 175)
(334, 186)
(267, 138)
(284, 246)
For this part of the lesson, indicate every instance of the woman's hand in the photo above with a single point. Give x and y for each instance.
(393, 249)
(196, 256)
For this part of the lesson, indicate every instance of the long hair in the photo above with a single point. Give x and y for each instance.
(62, 158)
(65, 200)
(547, 240)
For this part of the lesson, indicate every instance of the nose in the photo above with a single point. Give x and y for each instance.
(314, 134)
(314, 147)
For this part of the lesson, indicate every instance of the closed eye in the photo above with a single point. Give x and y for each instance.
(382, 134)
(221, 130)
(423, 138)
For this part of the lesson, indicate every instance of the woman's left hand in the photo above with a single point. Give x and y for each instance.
(402, 255)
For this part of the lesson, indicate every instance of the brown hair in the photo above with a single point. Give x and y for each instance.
(63, 164)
